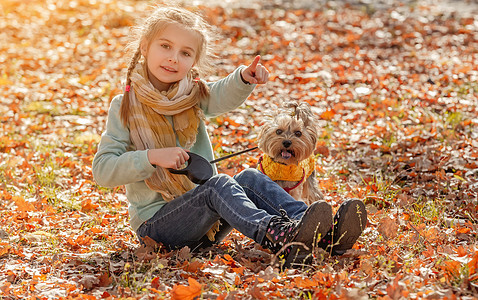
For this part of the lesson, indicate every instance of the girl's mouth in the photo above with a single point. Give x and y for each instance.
(168, 69)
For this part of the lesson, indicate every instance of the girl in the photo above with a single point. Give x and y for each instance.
(160, 118)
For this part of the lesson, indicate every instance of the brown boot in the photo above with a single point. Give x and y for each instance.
(349, 223)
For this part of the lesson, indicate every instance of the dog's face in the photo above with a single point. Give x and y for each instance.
(291, 136)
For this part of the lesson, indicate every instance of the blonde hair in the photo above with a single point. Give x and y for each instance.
(160, 18)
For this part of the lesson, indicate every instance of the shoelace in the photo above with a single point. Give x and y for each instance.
(284, 215)
(279, 230)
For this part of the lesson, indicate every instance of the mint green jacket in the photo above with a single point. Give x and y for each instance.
(116, 162)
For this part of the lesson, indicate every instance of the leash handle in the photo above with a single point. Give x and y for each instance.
(198, 170)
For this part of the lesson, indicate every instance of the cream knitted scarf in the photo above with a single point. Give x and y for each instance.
(150, 129)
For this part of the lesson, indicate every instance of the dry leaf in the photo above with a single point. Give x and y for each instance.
(184, 253)
(145, 253)
(256, 293)
(388, 228)
(89, 281)
(22, 204)
(4, 248)
(305, 283)
(181, 292)
(87, 206)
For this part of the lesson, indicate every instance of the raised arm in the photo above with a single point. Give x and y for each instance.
(230, 92)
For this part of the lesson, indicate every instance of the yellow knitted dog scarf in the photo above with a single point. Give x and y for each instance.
(277, 171)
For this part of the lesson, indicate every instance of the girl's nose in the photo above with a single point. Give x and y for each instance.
(173, 58)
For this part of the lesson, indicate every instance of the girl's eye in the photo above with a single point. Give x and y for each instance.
(165, 46)
(279, 131)
(186, 54)
(298, 133)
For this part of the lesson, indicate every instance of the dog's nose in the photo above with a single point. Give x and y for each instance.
(286, 143)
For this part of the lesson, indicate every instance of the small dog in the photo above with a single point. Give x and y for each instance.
(288, 141)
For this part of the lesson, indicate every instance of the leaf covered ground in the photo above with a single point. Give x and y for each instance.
(396, 91)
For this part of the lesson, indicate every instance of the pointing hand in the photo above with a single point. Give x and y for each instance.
(255, 73)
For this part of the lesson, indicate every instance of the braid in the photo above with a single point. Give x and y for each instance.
(203, 88)
(125, 104)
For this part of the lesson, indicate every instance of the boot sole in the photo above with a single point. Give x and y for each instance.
(352, 222)
(316, 220)
(315, 223)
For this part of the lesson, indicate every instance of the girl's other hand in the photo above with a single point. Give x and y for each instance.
(172, 157)
(255, 72)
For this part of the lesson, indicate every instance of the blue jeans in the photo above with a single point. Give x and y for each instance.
(246, 202)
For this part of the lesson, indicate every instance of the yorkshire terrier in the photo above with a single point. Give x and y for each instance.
(288, 141)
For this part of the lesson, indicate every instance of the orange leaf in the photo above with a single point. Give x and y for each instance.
(430, 252)
(452, 267)
(96, 230)
(4, 248)
(323, 150)
(463, 230)
(155, 283)
(460, 251)
(473, 264)
(327, 184)
(87, 206)
(228, 257)
(327, 115)
(239, 270)
(105, 280)
(22, 204)
(182, 292)
(255, 292)
(305, 283)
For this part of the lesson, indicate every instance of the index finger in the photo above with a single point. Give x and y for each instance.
(253, 65)
(185, 154)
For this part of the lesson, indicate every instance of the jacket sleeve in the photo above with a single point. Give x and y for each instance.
(113, 164)
(226, 94)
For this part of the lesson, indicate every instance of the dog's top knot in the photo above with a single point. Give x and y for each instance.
(300, 111)
(292, 107)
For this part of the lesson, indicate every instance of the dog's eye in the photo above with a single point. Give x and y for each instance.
(298, 133)
(279, 131)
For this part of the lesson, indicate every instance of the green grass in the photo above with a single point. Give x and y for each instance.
(41, 107)
(452, 119)
(380, 189)
(429, 211)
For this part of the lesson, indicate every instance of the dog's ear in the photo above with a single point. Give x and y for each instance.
(304, 112)
(263, 132)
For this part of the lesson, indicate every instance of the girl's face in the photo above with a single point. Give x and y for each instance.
(170, 55)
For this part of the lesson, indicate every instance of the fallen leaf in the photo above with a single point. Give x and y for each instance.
(388, 228)
(184, 253)
(256, 293)
(89, 281)
(22, 204)
(4, 248)
(87, 206)
(182, 292)
(473, 264)
(305, 283)
(39, 236)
